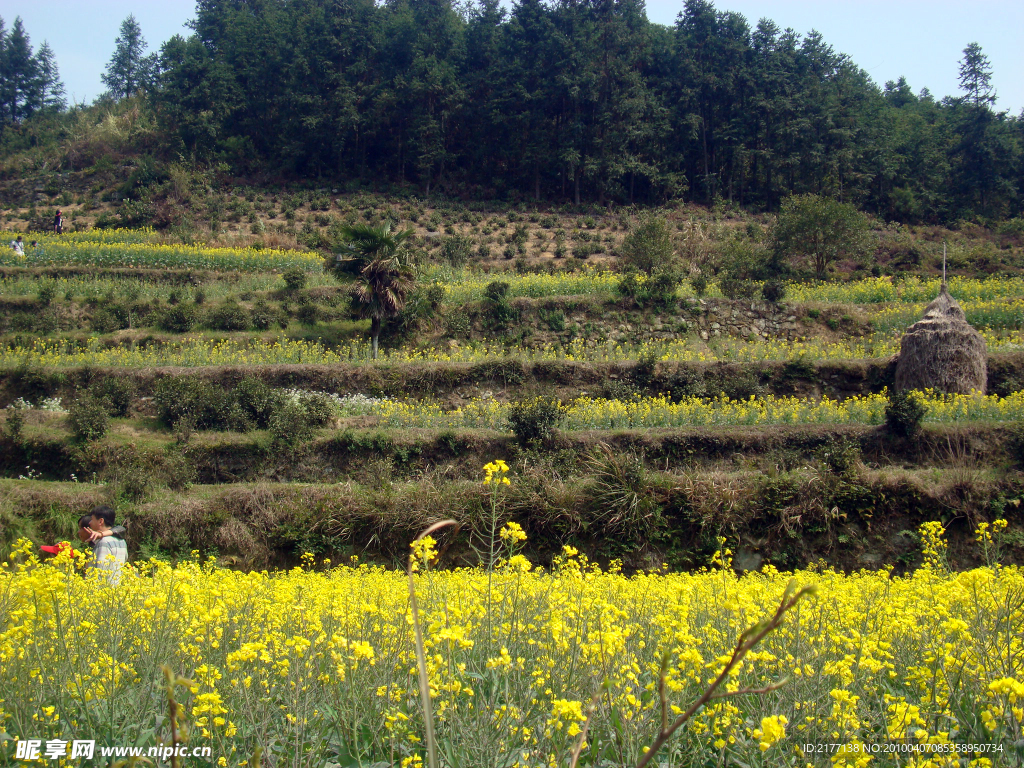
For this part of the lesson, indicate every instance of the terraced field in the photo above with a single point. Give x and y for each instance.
(224, 400)
(166, 336)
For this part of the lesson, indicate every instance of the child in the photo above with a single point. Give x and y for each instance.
(18, 246)
(88, 536)
(109, 552)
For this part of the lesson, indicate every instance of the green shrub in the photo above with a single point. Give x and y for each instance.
(903, 414)
(182, 318)
(229, 316)
(839, 455)
(46, 295)
(1014, 443)
(553, 319)
(500, 312)
(686, 382)
(207, 406)
(294, 278)
(102, 320)
(116, 393)
(534, 421)
(820, 230)
(741, 385)
(258, 400)
(700, 284)
(23, 322)
(263, 317)
(456, 250)
(290, 426)
(659, 288)
(648, 247)
(457, 324)
(87, 418)
(14, 424)
(663, 288)
(308, 315)
(738, 289)
(319, 408)
(131, 480)
(773, 291)
(619, 493)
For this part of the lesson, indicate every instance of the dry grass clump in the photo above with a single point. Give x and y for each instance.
(941, 351)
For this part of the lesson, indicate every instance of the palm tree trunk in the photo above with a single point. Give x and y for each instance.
(374, 334)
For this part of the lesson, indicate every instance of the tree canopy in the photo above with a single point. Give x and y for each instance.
(576, 102)
(820, 229)
(29, 81)
(129, 69)
(565, 101)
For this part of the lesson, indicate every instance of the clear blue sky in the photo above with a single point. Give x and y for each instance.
(920, 39)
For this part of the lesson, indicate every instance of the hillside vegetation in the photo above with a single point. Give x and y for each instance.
(666, 286)
(162, 376)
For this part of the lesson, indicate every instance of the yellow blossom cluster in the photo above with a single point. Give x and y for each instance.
(496, 472)
(306, 662)
(933, 544)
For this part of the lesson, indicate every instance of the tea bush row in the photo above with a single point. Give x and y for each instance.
(253, 404)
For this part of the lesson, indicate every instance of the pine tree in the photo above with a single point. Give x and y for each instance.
(976, 76)
(49, 89)
(129, 70)
(18, 76)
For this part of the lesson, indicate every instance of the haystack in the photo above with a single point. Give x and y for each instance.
(941, 351)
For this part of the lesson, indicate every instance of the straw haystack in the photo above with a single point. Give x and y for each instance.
(941, 351)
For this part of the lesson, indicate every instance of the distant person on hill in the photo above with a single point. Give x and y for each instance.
(109, 551)
(18, 246)
(58, 223)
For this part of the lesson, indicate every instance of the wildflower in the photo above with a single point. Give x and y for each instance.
(496, 472)
(423, 551)
(512, 533)
(772, 730)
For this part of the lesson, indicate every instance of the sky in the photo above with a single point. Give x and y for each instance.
(922, 40)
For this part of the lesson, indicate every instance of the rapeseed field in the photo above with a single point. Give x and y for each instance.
(197, 351)
(524, 666)
(651, 412)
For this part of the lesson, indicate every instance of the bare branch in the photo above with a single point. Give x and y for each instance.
(746, 641)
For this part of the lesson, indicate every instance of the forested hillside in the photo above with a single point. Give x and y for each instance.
(584, 102)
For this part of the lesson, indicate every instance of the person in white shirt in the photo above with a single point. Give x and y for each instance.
(109, 550)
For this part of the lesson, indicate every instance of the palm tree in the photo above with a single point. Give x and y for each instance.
(363, 243)
(377, 257)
